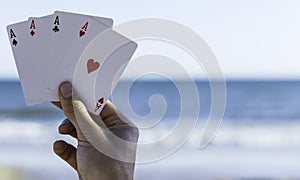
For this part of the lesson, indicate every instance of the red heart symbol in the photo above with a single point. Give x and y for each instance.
(101, 100)
(99, 104)
(92, 65)
(81, 33)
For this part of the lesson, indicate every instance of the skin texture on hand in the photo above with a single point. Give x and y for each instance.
(89, 162)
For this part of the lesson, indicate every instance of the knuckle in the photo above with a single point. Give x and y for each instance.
(66, 155)
(78, 106)
(73, 107)
(135, 131)
(68, 107)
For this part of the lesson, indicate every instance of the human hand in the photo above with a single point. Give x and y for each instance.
(87, 160)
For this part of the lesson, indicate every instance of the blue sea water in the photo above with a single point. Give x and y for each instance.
(248, 102)
(259, 132)
(256, 101)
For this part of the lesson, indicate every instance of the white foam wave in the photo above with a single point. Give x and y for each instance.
(267, 135)
(26, 132)
(260, 135)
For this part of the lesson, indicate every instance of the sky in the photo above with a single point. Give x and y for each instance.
(257, 39)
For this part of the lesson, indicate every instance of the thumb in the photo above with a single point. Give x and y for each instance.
(73, 108)
(77, 113)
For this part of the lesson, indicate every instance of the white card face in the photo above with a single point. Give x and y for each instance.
(100, 67)
(18, 36)
(104, 20)
(81, 49)
(86, 32)
(65, 27)
(38, 49)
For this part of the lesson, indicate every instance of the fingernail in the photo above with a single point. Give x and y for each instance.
(60, 146)
(66, 90)
(66, 121)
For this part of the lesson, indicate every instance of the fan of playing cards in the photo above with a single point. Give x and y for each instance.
(81, 49)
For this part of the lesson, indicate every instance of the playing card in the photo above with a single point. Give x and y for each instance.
(38, 50)
(65, 28)
(99, 68)
(86, 32)
(18, 35)
(81, 49)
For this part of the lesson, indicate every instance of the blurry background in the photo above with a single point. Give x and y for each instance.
(257, 45)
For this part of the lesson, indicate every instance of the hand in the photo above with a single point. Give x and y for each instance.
(90, 163)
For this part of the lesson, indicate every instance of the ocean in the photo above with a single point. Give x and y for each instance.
(259, 136)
